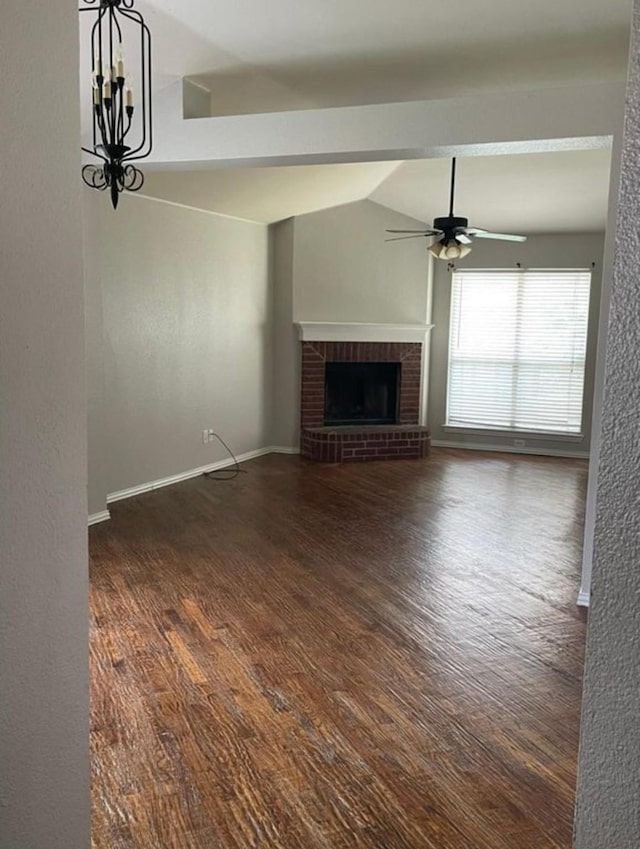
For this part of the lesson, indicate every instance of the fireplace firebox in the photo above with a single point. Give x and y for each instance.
(361, 401)
(361, 393)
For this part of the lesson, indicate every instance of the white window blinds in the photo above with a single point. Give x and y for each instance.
(517, 349)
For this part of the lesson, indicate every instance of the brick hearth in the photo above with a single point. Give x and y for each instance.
(406, 439)
(378, 442)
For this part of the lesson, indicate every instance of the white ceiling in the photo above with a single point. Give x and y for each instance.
(532, 193)
(257, 56)
(268, 194)
(527, 193)
(285, 30)
(292, 54)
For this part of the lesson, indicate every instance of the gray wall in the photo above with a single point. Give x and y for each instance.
(44, 734)
(98, 455)
(608, 800)
(553, 251)
(186, 341)
(286, 359)
(345, 271)
(335, 266)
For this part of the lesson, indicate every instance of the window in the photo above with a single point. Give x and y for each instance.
(517, 350)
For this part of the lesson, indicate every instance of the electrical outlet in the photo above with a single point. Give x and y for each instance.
(212, 435)
(205, 437)
(519, 443)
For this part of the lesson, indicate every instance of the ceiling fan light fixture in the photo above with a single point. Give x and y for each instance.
(452, 231)
(449, 249)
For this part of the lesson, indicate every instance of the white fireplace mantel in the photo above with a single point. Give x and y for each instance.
(345, 331)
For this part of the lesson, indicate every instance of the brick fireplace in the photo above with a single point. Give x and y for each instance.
(380, 406)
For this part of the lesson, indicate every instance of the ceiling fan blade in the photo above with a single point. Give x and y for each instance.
(415, 236)
(505, 237)
(462, 237)
(420, 232)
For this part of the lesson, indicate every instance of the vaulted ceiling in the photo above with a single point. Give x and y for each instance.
(565, 191)
(534, 193)
(252, 56)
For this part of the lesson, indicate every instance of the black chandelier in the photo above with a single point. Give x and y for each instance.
(113, 99)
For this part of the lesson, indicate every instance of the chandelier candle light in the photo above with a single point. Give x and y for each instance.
(113, 106)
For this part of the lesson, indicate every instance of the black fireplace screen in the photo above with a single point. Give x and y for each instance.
(361, 393)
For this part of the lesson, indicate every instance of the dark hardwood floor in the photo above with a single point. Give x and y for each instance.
(379, 655)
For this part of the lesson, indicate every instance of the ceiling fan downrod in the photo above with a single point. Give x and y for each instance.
(453, 186)
(454, 237)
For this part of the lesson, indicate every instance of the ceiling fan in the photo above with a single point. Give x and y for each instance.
(455, 237)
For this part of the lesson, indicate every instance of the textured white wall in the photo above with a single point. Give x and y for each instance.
(187, 339)
(598, 393)
(44, 734)
(608, 801)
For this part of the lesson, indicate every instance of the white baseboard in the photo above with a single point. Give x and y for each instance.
(584, 598)
(96, 518)
(105, 515)
(510, 449)
(183, 476)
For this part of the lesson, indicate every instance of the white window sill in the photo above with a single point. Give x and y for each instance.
(543, 436)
